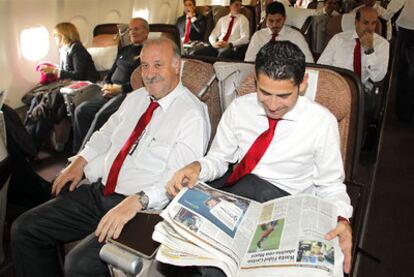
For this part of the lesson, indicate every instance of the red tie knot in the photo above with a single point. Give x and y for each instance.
(274, 35)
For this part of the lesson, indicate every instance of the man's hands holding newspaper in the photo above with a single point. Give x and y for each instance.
(344, 231)
(186, 176)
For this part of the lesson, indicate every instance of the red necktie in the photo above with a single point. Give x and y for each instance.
(299, 3)
(273, 37)
(228, 33)
(119, 160)
(254, 154)
(187, 30)
(357, 58)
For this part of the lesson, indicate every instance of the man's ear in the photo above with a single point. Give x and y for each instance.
(177, 66)
(304, 84)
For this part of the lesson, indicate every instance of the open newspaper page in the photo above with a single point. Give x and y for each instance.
(205, 226)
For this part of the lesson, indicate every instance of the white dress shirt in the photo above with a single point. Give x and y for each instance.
(322, 11)
(380, 10)
(340, 53)
(239, 33)
(177, 134)
(303, 157)
(406, 18)
(263, 36)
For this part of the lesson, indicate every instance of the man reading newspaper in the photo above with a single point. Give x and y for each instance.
(284, 144)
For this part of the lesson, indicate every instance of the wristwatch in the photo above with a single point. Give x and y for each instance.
(143, 200)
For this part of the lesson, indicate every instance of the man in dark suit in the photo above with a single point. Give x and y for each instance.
(92, 114)
(197, 26)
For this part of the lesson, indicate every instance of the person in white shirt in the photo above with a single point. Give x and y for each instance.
(380, 10)
(276, 30)
(328, 8)
(303, 4)
(405, 66)
(177, 133)
(303, 156)
(374, 49)
(229, 35)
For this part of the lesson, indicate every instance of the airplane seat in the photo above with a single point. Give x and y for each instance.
(4, 181)
(313, 5)
(299, 18)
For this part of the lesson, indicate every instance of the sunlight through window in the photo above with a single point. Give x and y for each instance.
(34, 43)
(143, 13)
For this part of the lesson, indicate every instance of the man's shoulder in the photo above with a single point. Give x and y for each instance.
(181, 18)
(190, 100)
(378, 39)
(316, 110)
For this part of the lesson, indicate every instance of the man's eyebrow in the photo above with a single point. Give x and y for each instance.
(281, 94)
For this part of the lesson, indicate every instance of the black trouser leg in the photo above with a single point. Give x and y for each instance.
(38, 233)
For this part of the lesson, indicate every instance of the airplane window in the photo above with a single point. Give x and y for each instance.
(143, 13)
(34, 43)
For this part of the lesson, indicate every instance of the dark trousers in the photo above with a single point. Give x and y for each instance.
(38, 234)
(91, 115)
(250, 186)
(225, 53)
(405, 75)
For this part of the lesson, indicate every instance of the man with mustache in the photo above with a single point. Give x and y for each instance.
(283, 143)
(157, 130)
(276, 30)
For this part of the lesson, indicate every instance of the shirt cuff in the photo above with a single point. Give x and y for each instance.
(158, 199)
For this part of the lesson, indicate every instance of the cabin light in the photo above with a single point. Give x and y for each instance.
(143, 13)
(34, 43)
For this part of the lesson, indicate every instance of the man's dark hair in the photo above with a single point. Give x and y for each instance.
(358, 15)
(281, 60)
(276, 7)
(232, 1)
(194, 2)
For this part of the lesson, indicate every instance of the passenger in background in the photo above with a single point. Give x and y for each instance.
(360, 50)
(303, 4)
(380, 10)
(75, 64)
(157, 130)
(276, 30)
(328, 8)
(192, 25)
(405, 53)
(230, 33)
(90, 115)
(75, 61)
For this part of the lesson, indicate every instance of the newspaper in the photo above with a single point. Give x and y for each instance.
(206, 227)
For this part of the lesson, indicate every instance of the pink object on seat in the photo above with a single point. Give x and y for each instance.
(46, 78)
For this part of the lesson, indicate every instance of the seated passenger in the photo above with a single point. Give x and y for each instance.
(276, 30)
(191, 25)
(157, 130)
(283, 143)
(380, 10)
(75, 61)
(76, 64)
(230, 31)
(303, 4)
(328, 8)
(361, 50)
(90, 115)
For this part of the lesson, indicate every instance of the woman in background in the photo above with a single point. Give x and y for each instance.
(75, 63)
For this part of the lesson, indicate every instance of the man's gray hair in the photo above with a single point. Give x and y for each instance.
(160, 40)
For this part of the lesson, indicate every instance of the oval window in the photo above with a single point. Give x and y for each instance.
(34, 43)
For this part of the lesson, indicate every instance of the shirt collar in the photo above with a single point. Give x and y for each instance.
(293, 114)
(281, 32)
(167, 100)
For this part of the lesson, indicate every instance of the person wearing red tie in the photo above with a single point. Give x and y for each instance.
(276, 30)
(283, 143)
(230, 36)
(361, 50)
(157, 130)
(192, 25)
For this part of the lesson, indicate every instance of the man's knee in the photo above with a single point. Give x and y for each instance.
(23, 228)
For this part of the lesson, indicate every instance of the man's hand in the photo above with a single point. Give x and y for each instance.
(47, 69)
(111, 90)
(72, 173)
(113, 222)
(367, 40)
(186, 176)
(344, 231)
